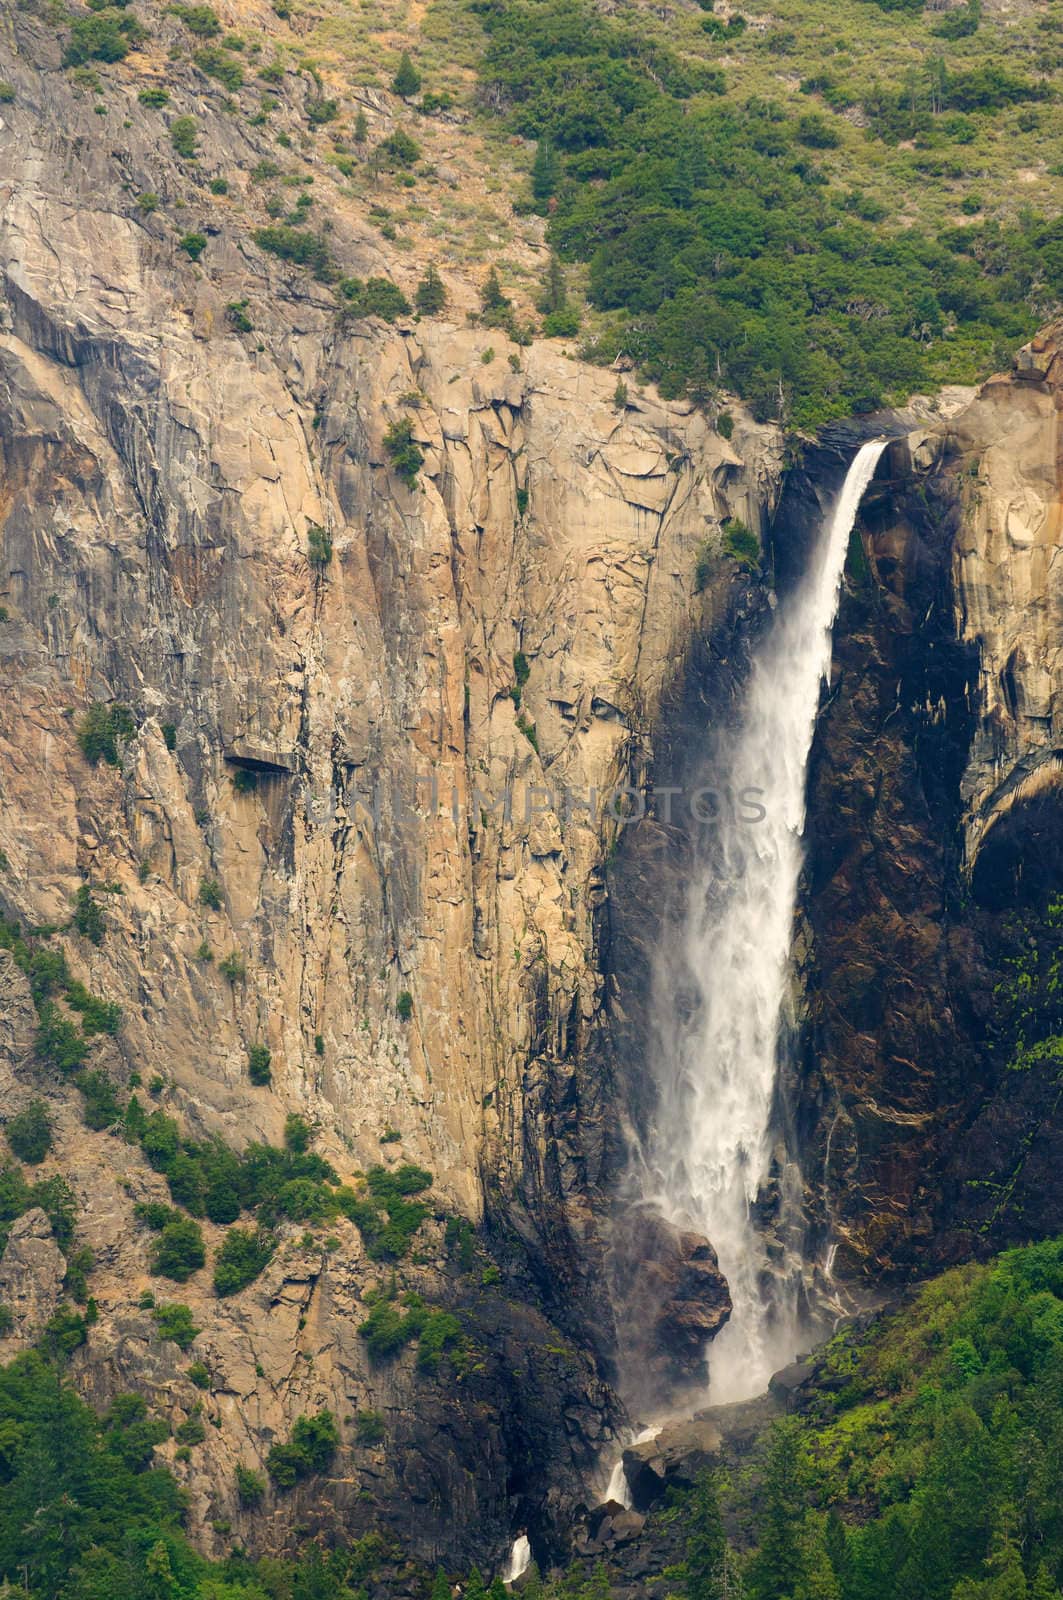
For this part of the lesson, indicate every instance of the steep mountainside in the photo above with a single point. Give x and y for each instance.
(333, 591)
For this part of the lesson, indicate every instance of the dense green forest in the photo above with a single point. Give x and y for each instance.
(735, 238)
(927, 1467)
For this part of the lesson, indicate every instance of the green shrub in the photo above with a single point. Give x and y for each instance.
(147, 203)
(386, 1217)
(562, 324)
(97, 1016)
(319, 111)
(174, 1321)
(814, 131)
(439, 1331)
(233, 968)
(236, 311)
(210, 894)
(87, 918)
(431, 294)
(369, 1427)
(401, 149)
(258, 1065)
(58, 1041)
(178, 1250)
(199, 19)
(101, 1107)
(154, 1214)
(296, 244)
(407, 79)
(243, 1255)
(219, 186)
(159, 1136)
(310, 1450)
(107, 35)
(319, 1044)
(64, 1332)
(318, 546)
(250, 1486)
(218, 63)
(379, 297)
(53, 1195)
(461, 1240)
(183, 134)
(193, 244)
(101, 731)
(297, 1133)
(388, 1329)
(29, 1133)
(154, 98)
(741, 544)
(7, 1316)
(46, 970)
(404, 1006)
(406, 456)
(79, 1263)
(191, 1431)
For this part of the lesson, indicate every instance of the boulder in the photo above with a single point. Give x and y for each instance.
(677, 1295)
(674, 1458)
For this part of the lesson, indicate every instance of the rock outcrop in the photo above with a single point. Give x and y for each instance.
(935, 807)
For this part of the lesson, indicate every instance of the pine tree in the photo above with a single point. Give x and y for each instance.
(161, 1583)
(706, 1545)
(491, 295)
(431, 294)
(554, 295)
(475, 1588)
(778, 1568)
(440, 1586)
(819, 1580)
(407, 80)
(1042, 1587)
(545, 171)
(361, 128)
(836, 1542)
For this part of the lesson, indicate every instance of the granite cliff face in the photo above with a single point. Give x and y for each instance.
(346, 775)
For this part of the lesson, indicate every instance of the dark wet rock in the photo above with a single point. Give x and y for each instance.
(791, 1384)
(676, 1298)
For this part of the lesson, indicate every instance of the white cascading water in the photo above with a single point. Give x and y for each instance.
(709, 1151)
(519, 1559)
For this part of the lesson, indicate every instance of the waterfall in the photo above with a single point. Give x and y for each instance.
(721, 985)
(519, 1559)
